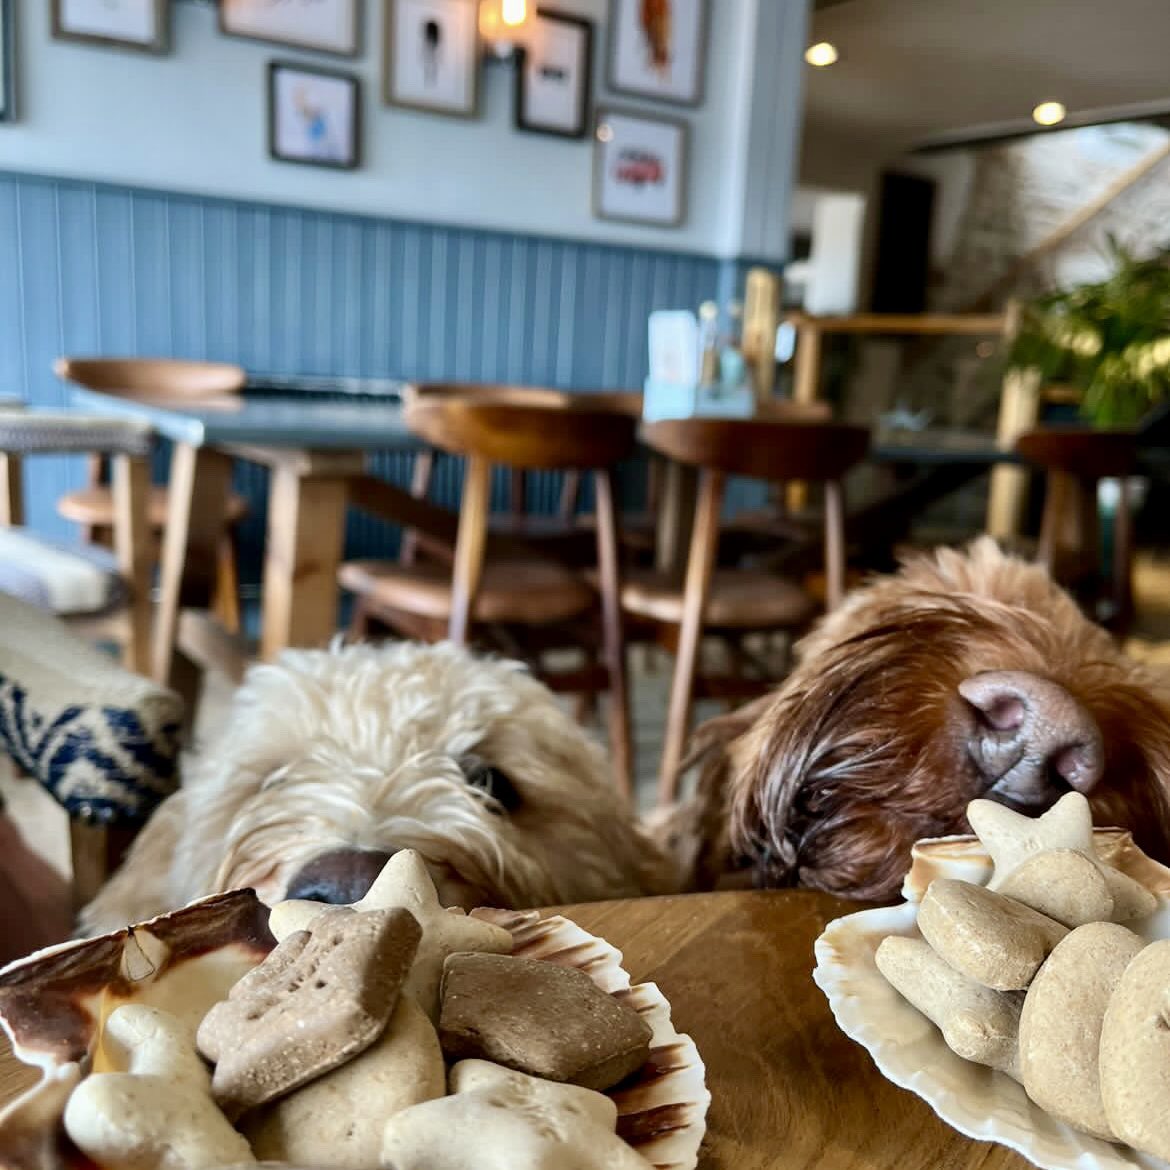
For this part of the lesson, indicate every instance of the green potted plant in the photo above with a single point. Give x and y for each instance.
(1109, 340)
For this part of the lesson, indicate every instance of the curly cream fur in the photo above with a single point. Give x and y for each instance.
(362, 747)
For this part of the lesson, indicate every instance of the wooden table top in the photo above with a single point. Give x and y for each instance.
(789, 1090)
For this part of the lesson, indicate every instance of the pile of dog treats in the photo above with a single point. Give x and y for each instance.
(391, 1033)
(1037, 976)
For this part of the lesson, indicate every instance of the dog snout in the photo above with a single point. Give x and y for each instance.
(339, 877)
(1029, 739)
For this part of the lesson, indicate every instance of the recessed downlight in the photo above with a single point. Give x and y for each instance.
(1049, 113)
(821, 54)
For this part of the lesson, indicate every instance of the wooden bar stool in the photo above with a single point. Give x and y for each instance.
(520, 602)
(734, 602)
(162, 380)
(1075, 461)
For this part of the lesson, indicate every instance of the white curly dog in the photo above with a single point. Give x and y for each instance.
(334, 759)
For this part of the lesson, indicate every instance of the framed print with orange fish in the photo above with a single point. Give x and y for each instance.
(657, 49)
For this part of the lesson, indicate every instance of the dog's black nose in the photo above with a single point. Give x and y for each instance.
(339, 877)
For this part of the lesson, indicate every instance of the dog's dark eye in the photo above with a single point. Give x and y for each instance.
(495, 783)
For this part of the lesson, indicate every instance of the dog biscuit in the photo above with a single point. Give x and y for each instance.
(1060, 1026)
(977, 1023)
(1135, 1053)
(406, 883)
(539, 1018)
(1062, 884)
(989, 938)
(159, 1114)
(318, 1000)
(499, 1119)
(1011, 838)
(337, 1120)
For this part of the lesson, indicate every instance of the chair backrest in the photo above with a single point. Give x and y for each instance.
(761, 448)
(567, 434)
(159, 378)
(1081, 452)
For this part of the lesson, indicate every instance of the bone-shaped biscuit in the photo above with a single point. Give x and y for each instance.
(992, 939)
(315, 1002)
(159, 1115)
(498, 1119)
(977, 1023)
(405, 882)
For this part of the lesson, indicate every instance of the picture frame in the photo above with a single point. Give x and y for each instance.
(664, 59)
(325, 26)
(7, 62)
(554, 80)
(142, 25)
(314, 116)
(640, 168)
(431, 58)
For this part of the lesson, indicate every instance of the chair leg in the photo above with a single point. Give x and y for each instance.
(359, 621)
(97, 852)
(700, 564)
(227, 581)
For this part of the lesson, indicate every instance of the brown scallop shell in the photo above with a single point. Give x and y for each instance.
(52, 1004)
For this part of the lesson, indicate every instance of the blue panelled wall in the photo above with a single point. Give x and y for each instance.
(87, 268)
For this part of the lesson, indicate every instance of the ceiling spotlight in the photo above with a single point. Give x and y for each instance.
(821, 54)
(1048, 113)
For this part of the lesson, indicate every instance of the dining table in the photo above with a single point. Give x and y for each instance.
(316, 437)
(789, 1091)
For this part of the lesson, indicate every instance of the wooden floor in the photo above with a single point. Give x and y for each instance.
(44, 824)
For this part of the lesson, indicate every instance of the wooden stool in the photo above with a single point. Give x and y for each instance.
(1075, 460)
(734, 602)
(519, 603)
(163, 380)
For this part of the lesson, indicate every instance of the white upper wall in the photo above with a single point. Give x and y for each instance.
(195, 120)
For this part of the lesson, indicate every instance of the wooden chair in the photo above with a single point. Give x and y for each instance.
(564, 534)
(164, 380)
(519, 602)
(1075, 460)
(734, 602)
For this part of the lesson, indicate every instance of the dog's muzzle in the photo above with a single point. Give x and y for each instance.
(339, 877)
(1029, 739)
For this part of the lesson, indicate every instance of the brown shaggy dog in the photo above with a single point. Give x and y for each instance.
(964, 675)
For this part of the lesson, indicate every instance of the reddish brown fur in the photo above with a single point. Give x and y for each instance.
(828, 781)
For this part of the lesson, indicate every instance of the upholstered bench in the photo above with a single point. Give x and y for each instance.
(103, 742)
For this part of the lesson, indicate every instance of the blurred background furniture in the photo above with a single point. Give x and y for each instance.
(157, 380)
(737, 601)
(101, 740)
(517, 601)
(102, 595)
(1075, 461)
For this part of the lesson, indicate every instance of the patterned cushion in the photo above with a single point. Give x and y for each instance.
(63, 580)
(104, 742)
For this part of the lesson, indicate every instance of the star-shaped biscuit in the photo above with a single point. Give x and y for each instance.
(1049, 863)
(497, 1119)
(406, 883)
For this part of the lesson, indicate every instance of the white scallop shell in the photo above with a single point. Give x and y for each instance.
(909, 1050)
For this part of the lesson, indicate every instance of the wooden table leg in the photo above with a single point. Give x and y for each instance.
(198, 494)
(306, 531)
(676, 516)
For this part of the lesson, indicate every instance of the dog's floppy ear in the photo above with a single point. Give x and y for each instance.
(694, 831)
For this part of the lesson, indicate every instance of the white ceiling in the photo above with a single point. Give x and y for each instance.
(917, 70)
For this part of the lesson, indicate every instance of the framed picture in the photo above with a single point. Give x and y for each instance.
(639, 168)
(129, 24)
(432, 56)
(7, 63)
(552, 81)
(329, 26)
(314, 116)
(657, 48)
